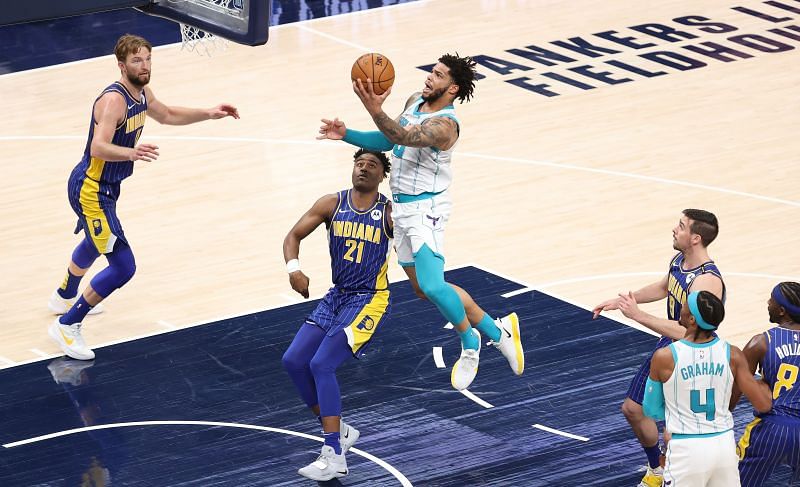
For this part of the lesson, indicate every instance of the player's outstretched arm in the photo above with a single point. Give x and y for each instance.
(756, 391)
(439, 132)
(662, 326)
(321, 211)
(648, 294)
(109, 112)
(332, 129)
(754, 353)
(172, 115)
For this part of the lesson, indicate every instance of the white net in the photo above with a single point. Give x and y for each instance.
(200, 41)
(203, 43)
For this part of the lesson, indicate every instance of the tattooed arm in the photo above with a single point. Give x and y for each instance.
(439, 132)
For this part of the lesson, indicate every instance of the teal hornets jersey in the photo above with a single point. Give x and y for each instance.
(698, 392)
(417, 170)
(125, 135)
(680, 280)
(780, 369)
(359, 244)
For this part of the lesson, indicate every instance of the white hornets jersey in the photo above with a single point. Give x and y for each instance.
(698, 392)
(418, 170)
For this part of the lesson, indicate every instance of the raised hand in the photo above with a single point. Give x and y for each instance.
(332, 129)
(372, 102)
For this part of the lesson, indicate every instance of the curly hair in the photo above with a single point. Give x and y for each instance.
(387, 166)
(462, 70)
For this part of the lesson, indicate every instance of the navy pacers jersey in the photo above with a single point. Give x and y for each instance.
(780, 369)
(359, 243)
(680, 280)
(125, 135)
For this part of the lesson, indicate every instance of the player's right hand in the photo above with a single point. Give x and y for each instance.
(332, 129)
(299, 282)
(605, 306)
(145, 152)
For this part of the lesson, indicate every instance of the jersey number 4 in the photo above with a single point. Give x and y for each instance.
(709, 407)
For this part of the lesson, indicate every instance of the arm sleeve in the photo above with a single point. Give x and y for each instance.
(368, 140)
(653, 403)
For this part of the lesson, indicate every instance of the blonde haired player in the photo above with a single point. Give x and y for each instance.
(112, 149)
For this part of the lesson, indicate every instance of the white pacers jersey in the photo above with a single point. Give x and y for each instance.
(698, 393)
(418, 170)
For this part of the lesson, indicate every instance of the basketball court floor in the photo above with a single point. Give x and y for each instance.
(593, 126)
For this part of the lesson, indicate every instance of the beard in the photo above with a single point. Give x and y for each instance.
(434, 95)
(772, 317)
(137, 81)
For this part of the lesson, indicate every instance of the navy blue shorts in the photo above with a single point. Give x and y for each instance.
(359, 314)
(636, 389)
(766, 443)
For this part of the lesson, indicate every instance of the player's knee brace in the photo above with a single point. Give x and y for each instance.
(120, 270)
(293, 362)
(85, 254)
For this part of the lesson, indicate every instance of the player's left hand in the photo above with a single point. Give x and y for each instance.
(366, 94)
(223, 110)
(628, 306)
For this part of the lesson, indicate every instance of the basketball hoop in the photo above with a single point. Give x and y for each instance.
(210, 25)
(202, 42)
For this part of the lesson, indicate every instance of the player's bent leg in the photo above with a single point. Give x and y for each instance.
(331, 463)
(66, 331)
(64, 297)
(297, 358)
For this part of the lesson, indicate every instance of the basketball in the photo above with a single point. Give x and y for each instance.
(377, 68)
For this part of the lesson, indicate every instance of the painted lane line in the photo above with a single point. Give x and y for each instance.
(476, 399)
(389, 468)
(438, 359)
(561, 433)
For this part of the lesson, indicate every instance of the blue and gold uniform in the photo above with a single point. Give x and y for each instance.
(773, 439)
(359, 243)
(94, 185)
(679, 281)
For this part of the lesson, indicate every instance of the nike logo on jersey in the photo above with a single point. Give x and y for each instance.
(344, 211)
(131, 106)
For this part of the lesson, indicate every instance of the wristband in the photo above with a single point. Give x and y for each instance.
(293, 266)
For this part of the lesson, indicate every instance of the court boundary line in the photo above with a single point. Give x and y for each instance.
(386, 466)
(473, 155)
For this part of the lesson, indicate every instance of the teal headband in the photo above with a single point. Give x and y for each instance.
(692, 300)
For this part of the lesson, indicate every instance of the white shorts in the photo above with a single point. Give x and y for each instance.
(704, 461)
(420, 222)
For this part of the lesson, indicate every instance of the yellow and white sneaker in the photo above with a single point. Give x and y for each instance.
(653, 478)
(466, 367)
(69, 339)
(59, 305)
(66, 370)
(510, 343)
